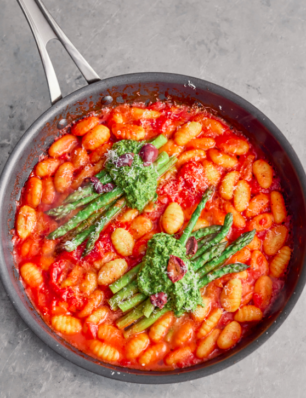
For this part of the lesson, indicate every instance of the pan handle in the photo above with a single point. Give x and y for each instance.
(44, 29)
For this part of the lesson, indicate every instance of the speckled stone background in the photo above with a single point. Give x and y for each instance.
(254, 48)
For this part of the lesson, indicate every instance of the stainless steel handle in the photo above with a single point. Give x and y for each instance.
(44, 29)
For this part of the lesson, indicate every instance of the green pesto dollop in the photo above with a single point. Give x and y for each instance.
(138, 182)
(184, 295)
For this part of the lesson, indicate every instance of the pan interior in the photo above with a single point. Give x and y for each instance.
(143, 87)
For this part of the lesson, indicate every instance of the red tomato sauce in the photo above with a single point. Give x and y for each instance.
(56, 281)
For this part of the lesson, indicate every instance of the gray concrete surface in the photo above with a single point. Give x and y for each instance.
(254, 48)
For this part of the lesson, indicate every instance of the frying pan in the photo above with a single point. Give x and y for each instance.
(127, 88)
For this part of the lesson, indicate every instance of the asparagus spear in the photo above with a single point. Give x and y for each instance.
(228, 221)
(200, 233)
(123, 294)
(195, 216)
(132, 302)
(162, 159)
(159, 141)
(100, 224)
(146, 322)
(82, 226)
(88, 190)
(167, 166)
(62, 211)
(148, 309)
(237, 245)
(125, 279)
(228, 269)
(211, 253)
(85, 213)
(205, 240)
(72, 244)
(131, 316)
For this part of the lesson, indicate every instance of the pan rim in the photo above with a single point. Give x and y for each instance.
(126, 374)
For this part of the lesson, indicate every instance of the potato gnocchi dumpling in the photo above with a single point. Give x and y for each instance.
(137, 345)
(153, 354)
(263, 292)
(223, 159)
(160, 328)
(258, 204)
(275, 239)
(211, 172)
(280, 262)
(26, 221)
(248, 313)
(63, 145)
(231, 295)
(140, 226)
(104, 351)
(123, 241)
(228, 184)
(263, 173)
(31, 274)
(242, 195)
(66, 324)
(187, 132)
(173, 218)
(229, 336)
(179, 355)
(210, 323)
(278, 207)
(109, 333)
(207, 346)
(112, 271)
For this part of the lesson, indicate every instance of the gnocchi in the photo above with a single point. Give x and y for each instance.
(194, 155)
(123, 241)
(280, 262)
(63, 145)
(263, 173)
(137, 345)
(275, 239)
(210, 323)
(161, 327)
(66, 324)
(228, 184)
(112, 271)
(187, 132)
(34, 192)
(207, 346)
(31, 274)
(153, 354)
(231, 295)
(96, 137)
(140, 226)
(104, 351)
(223, 159)
(248, 313)
(262, 292)
(229, 336)
(26, 221)
(242, 196)
(278, 207)
(173, 218)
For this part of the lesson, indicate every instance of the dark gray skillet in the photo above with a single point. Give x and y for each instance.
(144, 86)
